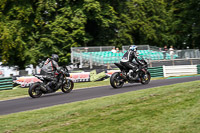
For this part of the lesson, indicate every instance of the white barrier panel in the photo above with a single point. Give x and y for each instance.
(179, 70)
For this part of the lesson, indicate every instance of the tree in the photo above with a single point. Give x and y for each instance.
(32, 30)
(186, 27)
(148, 22)
(14, 21)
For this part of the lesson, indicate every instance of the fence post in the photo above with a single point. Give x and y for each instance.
(172, 62)
(101, 60)
(164, 71)
(150, 63)
(191, 62)
(72, 56)
(91, 61)
(81, 60)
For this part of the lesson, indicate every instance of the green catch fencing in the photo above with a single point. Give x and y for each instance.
(198, 69)
(6, 83)
(156, 71)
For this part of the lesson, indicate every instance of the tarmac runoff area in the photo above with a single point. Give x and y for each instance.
(27, 103)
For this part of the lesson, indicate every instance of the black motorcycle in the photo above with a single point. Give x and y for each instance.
(38, 88)
(118, 79)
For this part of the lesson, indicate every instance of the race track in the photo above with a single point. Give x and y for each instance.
(27, 103)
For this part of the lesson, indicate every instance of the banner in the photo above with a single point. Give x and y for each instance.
(1, 73)
(80, 77)
(26, 81)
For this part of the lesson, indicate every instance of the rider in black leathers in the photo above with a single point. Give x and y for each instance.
(49, 68)
(127, 61)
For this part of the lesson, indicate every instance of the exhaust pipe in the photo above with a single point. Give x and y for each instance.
(123, 76)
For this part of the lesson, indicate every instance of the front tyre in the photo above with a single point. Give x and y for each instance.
(68, 86)
(116, 80)
(145, 78)
(34, 90)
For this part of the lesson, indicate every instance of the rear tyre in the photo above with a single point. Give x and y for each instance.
(34, 90)
(145, 79)
(68, 86)
(116, 80)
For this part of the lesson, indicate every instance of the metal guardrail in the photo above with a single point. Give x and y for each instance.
(174, 62)
(156, 71)
(198, 69)
(6, 83)
(92, 49)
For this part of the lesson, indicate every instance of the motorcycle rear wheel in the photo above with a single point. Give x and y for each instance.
(115, 80)
(68, 86)
(34, 90)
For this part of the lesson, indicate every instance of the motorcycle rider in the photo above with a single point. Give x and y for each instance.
(49, 68)
(127, 61)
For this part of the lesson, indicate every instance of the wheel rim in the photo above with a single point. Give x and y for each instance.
(67, 86)
(36, 91)
(145, 78)
(117, 81)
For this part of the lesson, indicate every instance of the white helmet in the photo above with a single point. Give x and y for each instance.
(133, 48)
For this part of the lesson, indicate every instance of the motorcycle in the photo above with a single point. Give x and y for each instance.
(118, 79)
(38, 88)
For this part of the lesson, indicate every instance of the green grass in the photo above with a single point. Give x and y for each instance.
(173, 108)
(14, 93)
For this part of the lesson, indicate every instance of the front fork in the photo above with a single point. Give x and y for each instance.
(143, 74)
(65, 80)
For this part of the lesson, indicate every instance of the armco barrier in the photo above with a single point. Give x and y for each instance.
(156, 71)
(6, 83)
(180, 70)
(198, 69)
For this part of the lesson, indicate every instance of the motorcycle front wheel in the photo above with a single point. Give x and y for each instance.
(34, 90)
(116, 80)
(145, 79)
(68, 86)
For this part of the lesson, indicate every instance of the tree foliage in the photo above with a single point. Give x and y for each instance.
(186, 26)
(31, 30)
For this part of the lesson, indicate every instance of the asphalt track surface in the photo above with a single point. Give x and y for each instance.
(27, 103)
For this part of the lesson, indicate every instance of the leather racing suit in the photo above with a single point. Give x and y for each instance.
(49, 69)
(127, 61)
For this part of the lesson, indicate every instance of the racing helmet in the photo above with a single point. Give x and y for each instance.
(133, 48)
(55, 57)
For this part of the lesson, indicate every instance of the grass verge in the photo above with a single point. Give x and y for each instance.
(173, 108)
